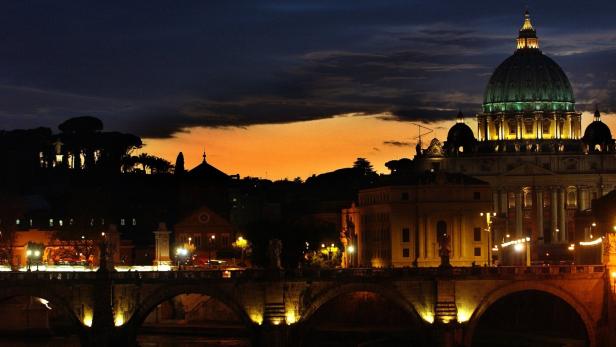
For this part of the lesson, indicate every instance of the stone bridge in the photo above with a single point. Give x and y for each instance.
(276, 307)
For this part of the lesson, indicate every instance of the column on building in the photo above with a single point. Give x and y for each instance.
(504, 203)
(562, 214)
(518, 131)
(539, 126)
(555, 129)
(495, 206)
(489, 126)
(519, 217)
(539, 206)
(581, 196)
(569, 127)
(554, 213)
(501, 135)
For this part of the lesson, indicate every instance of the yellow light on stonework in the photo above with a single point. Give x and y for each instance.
(87, 318)
(276, 321)
(256, 317)
(464, 314)
(290, 317)
(428, 316)
(119, 319)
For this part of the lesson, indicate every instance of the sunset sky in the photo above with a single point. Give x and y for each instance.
(281, 89)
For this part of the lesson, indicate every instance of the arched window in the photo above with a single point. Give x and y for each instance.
(528, 198)
(571, 198)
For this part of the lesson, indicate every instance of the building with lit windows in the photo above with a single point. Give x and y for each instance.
(531, 149)
(407, 220)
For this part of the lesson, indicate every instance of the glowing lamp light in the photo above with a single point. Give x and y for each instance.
(290, 317)
(428, 317)
(613, 274)
(464, 315)
(256, 317)
(518, 247)
(351, 249)
(119, 319)
(591, 243)
(87, 319)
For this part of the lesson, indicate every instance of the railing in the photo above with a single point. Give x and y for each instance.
(324, 274)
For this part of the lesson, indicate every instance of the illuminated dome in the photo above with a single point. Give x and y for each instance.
(528, 80)
(597, 132)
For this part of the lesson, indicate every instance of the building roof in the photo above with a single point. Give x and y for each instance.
(207, 171)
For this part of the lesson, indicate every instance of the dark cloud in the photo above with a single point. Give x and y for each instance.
(396, 143)
(157, 68)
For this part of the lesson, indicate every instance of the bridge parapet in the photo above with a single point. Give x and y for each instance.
(312, 274)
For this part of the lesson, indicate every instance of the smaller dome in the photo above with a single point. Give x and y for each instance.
(460, 134)
(597, 132)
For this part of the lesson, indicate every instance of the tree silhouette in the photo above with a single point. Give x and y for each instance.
(364, 166)
(179, 164)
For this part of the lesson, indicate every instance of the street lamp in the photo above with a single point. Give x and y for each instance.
(211, 241)
(180, 255)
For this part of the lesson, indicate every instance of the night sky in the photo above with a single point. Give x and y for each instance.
(283, 88)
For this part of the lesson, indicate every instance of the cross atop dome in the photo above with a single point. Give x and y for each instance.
(527, 39)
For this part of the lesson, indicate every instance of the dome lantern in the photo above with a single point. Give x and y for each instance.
(527, 38)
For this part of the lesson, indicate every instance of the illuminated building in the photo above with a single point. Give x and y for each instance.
(531, 149)
(404, 219)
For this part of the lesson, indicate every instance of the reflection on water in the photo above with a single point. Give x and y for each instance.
(189, 341)
(143, 341)
(17, 341)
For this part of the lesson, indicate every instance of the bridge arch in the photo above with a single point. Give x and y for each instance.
(169, 291)
(43, 292)
(329, 294)
(525, 286)
(358, 313)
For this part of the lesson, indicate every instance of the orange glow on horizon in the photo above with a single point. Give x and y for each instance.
(301, 149)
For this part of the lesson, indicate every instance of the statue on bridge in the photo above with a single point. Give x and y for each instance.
(274, 252)
(444, 244)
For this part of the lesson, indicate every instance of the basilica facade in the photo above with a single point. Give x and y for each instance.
(529, 148)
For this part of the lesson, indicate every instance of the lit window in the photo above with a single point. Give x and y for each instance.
(17, 221)
(60, 222)
(50, 222)
(122, 222)
(134, 222)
